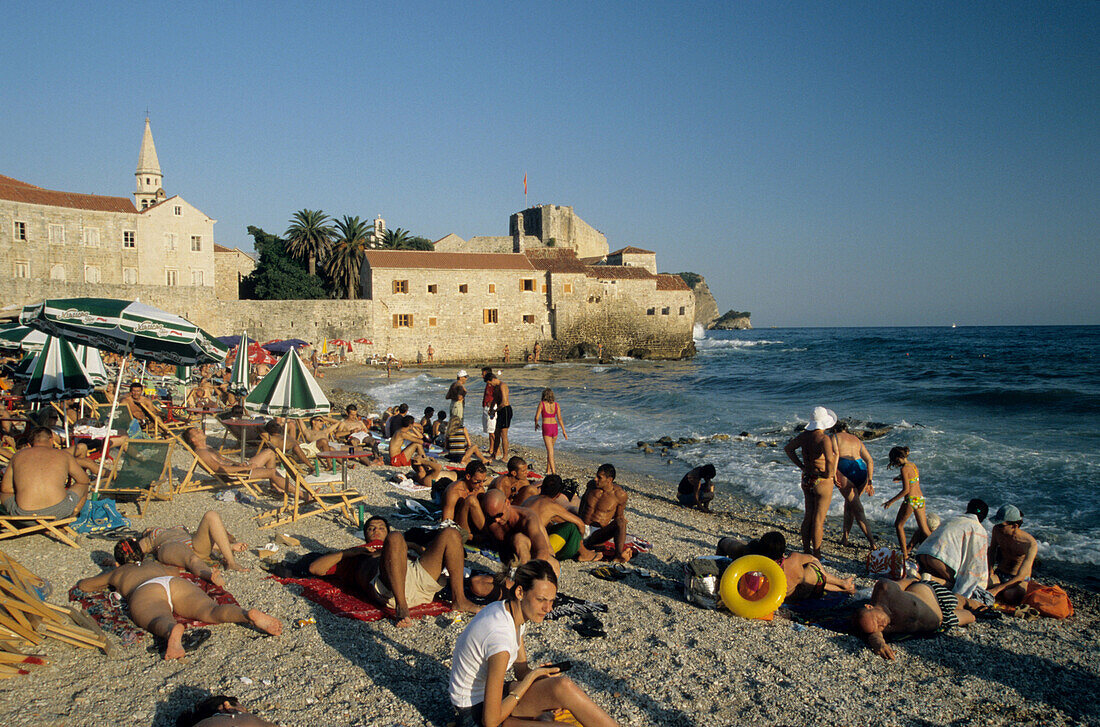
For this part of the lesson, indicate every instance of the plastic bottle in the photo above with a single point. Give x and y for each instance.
(361, 514)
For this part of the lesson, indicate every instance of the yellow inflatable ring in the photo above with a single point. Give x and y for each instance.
(761, 607)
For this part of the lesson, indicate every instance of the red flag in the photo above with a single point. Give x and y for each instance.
(525, 182)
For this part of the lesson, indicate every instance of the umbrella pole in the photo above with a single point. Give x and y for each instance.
(110, 421)
(65, 413)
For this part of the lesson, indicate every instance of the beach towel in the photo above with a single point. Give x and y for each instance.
(408, 485)
(341, 603)
(112, 612)
(633, 542)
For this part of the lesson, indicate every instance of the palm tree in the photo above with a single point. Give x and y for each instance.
(309, 237)
(346, 258)
(397, 239)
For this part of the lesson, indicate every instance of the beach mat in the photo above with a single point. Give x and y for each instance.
(113, 614)
(339, 602)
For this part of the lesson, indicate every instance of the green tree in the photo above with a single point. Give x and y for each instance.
(278, 276)
(346, 257)
(399, 239)
(309, 237)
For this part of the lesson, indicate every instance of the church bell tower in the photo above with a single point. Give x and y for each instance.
(149, 179)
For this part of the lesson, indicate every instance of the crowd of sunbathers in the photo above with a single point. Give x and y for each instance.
(532, 523)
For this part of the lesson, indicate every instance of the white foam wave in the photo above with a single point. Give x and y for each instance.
(735, 343)
(600, 369)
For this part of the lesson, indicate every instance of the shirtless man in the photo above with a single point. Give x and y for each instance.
(261, 464)
(317, 436)
(603, 511)
(695, 489)
(142, 409)
(283, 435)
(177, 547)
(155, 593)
(427, 472)
(1011, 556)
(501, 411)
(513, 481)
(456, 394)
(807, 578)
(512, 528)
(559, 519)
(405, 442)
(818, 466)
(36, 482)
(462, 493)
(910, 607)
(351, 423)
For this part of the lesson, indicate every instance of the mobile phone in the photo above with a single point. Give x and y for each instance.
(561, 666)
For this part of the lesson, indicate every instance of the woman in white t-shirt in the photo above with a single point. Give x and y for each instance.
(493, 643)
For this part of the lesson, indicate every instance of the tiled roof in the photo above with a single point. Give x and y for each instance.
(666, 281)
(592, 260)
(556, 261)
(222, 248)
(16, 191)
(618, 272)
(405, 259)
(631, 250)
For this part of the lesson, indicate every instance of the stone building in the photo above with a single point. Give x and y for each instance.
(231, 266)
(85, 238)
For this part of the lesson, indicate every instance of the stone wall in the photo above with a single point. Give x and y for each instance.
(230, 267)
(562, 225)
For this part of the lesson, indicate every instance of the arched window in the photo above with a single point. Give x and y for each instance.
(57, 272)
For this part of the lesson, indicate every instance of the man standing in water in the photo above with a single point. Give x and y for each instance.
(818, 465)
(500, 411)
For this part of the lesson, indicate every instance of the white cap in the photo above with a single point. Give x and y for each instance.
(821, 418)
(461, 373)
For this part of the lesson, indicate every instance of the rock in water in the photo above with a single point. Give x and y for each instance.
(733, 320)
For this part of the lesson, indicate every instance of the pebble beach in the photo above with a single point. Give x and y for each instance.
(663, 661)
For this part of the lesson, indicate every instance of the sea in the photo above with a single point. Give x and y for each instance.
(1007, 414)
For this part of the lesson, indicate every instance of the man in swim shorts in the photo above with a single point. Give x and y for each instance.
(177, 547)
(156, 596)
(603, 509)
(1011, 556)
(514, 482)
(910, 607)
(512, 530)
(696, 489)
(261, 464)
(561, 521)
(406, 442)
(501, 410)
(36, 482)
(818, 466)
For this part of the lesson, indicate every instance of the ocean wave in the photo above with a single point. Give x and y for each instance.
(736, 343)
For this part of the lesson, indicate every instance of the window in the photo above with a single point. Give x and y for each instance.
(145, 204)
(489, 315)
(464, 289)
(148, 181)
(527, 285)
(492, 287)
(433, 289)
(651, 312)
(544, 287)
(401, 286)
(129, 276)
(91, 274)
(169, 241)
(568, 287)
(22, 269)
(57, 234)
(57, 272)
(402, 320)
(91, 236)
(664, 311)
(431, 322)
(129, 239)
(179, 210)
(171, 277)
(196, 277)
(528, 319)
(20, 230)
(196, 243)
(683, 310)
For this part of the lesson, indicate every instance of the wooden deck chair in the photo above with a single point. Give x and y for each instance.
(327, 497)
(192, 480)
(16, 526)
(143, 470)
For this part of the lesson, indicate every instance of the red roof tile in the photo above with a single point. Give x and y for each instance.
(618, 272)
(553, 260)
(666, 281)
(16, 191)
(631, 250)
(223, 248)
(405, 259)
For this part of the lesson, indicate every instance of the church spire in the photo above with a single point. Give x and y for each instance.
(149, 178)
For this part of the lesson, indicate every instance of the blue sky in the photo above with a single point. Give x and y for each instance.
(820, 163)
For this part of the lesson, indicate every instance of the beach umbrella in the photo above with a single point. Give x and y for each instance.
(25, 366)
(288, 390)
(183, 373)
(365, 341)
(93, 364)
(238, 381)
(130, 328)
(58, 375)
(14, 336)
(282, 347)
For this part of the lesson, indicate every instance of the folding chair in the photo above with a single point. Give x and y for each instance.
(142, 470)
(327, 497)
(16, 526)
(192, 483)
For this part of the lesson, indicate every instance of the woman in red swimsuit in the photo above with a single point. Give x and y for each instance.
(548, 416)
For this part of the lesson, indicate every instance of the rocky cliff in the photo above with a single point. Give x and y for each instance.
(733, 320)
(706, 308)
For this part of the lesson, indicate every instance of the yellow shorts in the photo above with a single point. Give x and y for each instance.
(420, 587)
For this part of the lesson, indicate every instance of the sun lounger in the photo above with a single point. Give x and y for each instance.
(191, 481)
(12, 526)
(327, 496)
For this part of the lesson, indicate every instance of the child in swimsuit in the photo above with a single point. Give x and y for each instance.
(912, 500)
(548, 417)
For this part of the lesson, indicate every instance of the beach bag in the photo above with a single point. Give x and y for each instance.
(1050, 601)
(701, 579)
(886, 562)
(99, 515)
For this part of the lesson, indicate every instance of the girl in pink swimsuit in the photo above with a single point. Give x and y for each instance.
(548, 416)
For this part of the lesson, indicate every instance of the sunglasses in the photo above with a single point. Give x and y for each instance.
(498, 516)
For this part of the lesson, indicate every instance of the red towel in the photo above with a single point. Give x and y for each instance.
(342, 603)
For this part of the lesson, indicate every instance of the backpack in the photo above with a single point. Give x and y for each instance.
(701, 578)
(1050, 601)
(99, 515)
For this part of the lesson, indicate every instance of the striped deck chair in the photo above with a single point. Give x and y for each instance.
(327, 496)
(143, 470)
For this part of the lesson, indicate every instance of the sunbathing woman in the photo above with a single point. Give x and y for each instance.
(913, 502)
(177, 547)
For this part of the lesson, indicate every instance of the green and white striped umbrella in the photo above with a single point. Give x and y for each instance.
(238, 381)
(126, 327)
(58, 374)
(93, 364)
(183, 373)
(25, 367)
(13, 336)
(288, 390)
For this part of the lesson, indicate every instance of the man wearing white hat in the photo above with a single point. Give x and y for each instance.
(457, 395)
(818, 465)
(1011, 556)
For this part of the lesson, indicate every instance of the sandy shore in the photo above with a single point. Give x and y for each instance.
(664, 661)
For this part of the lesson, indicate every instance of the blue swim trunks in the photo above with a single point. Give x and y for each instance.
(855, 470)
